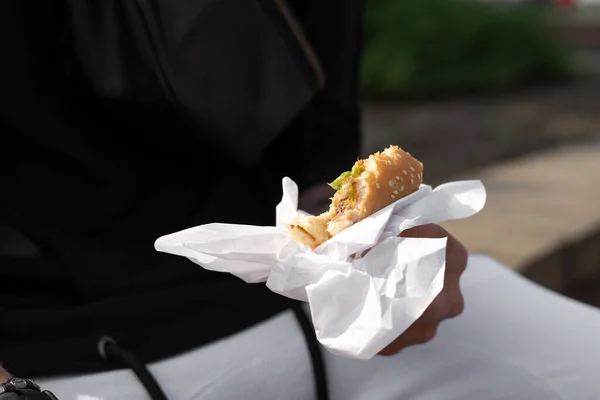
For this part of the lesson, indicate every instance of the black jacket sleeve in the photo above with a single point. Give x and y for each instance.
(334, 28)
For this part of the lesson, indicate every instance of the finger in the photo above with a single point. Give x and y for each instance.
(449, 303)
(458, 306)
(454, 296)
(456, 257)
(456, 253)
(432, 231)
(415, 335)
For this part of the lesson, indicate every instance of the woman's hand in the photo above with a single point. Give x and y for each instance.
(448, 304)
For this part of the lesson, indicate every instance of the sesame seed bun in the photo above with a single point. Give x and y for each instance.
(382, 179)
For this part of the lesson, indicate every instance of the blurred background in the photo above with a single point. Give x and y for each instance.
(508, 92)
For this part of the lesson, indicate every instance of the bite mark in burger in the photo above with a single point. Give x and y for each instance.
(373, 183)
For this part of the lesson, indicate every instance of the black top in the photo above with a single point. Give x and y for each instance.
(92, 184)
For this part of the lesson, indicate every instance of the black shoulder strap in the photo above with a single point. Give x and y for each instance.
(314, 349)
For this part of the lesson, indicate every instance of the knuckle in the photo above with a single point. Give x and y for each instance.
(428, 334)
(455, 304)
(430, 313)
(462, 267)
(457, 308)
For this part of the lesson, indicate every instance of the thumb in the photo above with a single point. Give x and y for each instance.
(432, 231)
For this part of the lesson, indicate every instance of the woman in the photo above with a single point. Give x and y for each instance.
(123, 121)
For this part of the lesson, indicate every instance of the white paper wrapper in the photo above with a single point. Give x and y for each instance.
(360, 300)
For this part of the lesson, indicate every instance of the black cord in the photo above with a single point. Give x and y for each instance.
(314, 349)
(111, 351)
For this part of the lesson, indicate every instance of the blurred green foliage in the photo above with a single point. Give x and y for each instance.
(425, 47)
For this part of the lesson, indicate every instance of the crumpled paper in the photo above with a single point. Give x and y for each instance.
(365, 286)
